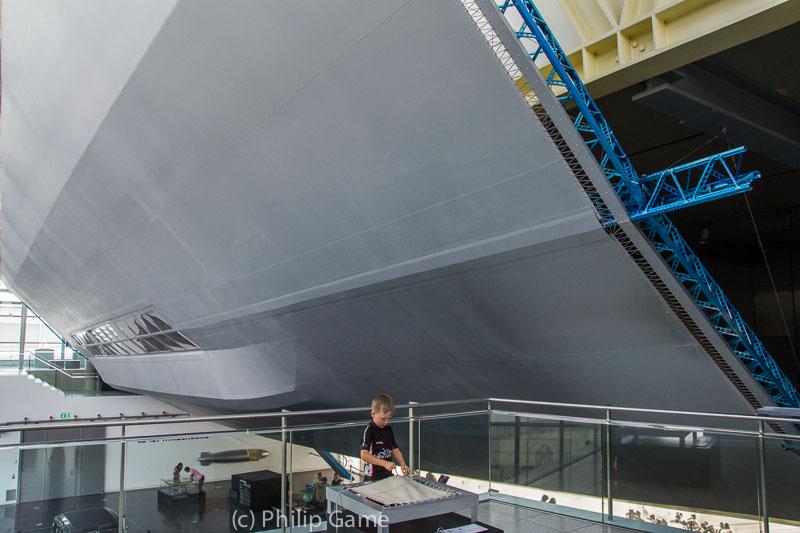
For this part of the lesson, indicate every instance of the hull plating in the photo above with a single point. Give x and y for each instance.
(329, 203)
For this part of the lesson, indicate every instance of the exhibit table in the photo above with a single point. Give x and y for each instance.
(437, 499)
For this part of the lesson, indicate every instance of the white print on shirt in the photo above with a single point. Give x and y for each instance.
(384, 454)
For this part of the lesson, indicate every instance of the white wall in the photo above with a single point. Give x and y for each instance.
(9, 462)
(152, 459)
(22, 397)
(149, 459)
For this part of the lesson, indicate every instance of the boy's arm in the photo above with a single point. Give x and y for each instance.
(371, 459)
(402, 462)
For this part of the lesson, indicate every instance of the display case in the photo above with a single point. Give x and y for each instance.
(172, 492)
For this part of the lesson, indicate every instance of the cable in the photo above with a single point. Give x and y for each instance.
(664, 145)
(772, 281)
(724, 132)
(714, 138)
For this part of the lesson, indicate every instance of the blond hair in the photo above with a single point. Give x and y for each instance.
(383, 403)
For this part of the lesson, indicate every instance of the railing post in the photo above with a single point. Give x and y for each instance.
(291, 477)
(609, 462)
(123, 459)
(411, 450)
(517, 422)
(22, 327)
(762, 475)
(489, 413)
(282, 515)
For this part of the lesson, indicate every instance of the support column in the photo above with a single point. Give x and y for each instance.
(517, 422)
(123, 459)
(608, 466)
(762, 476)
(411, 437)
(489, 416)
(283, 516)
(291, 477)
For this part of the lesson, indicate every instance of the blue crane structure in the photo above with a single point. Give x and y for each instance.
(648, 198)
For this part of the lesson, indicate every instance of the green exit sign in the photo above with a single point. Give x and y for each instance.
(63, 415)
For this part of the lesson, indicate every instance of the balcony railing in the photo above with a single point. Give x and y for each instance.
(639, 468)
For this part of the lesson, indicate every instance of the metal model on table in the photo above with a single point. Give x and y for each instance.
(450, 499)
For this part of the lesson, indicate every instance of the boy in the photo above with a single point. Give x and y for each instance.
(378, 447)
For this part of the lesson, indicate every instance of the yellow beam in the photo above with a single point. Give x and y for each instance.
(639, 39)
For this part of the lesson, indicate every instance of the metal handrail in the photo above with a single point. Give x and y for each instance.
(46, 424)
(351, 423)
(653, 425)
(754, 418)
(313, 412)
(48, 363)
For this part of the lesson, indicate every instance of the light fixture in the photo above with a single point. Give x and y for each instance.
(704, 233)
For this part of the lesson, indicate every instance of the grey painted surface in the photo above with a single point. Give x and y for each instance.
(336, 205)
(63, 67)
(497, 326)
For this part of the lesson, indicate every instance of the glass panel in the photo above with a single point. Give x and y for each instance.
(152, 344)
(693, 480)
(129, 327)
(182, 341)
(130, 346)
(148, 324)
(60, 482)
(457, 447)
(548, 462)
(162, 496)
(157, 321)
(782, 461)
(322, 458)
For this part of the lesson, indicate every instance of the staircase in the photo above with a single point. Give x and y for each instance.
(43, 383)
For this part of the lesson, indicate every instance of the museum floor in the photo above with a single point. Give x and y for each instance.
(144, 512)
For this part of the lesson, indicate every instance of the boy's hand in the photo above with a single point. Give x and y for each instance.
(389, 465)
(406, 470)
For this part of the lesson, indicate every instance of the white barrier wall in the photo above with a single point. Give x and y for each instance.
(152, 459)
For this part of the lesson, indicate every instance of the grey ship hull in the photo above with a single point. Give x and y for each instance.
(328, 201)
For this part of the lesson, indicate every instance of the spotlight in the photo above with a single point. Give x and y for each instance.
(704, 233)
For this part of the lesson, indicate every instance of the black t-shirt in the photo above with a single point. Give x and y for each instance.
(379, 443)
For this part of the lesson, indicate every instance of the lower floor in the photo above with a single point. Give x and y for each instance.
(214, 514)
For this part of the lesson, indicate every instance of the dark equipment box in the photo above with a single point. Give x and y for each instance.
(256, 490)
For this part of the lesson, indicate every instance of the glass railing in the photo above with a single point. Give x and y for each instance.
(71, 376)
(532, 465)
(70, 379)
(552, 462)
(39, 358)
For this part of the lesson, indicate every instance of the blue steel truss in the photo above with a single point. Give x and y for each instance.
(701, 181)
(720, 311)
(646, 199)
(589, 121)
